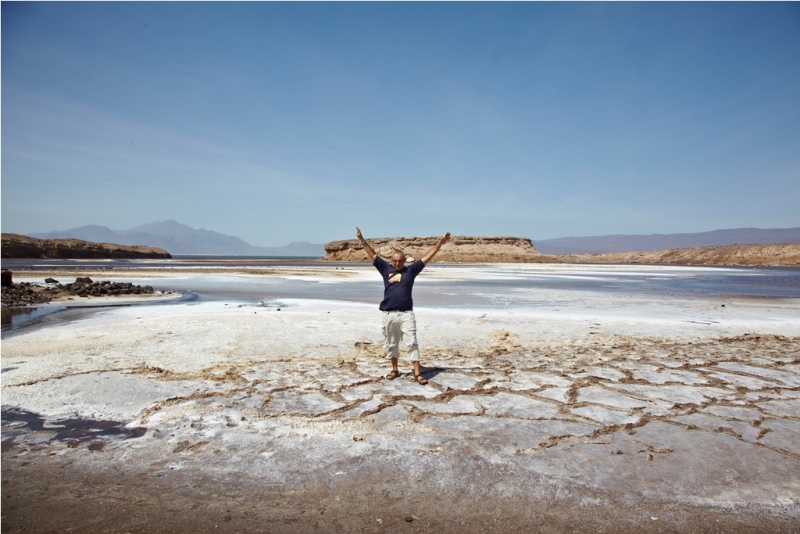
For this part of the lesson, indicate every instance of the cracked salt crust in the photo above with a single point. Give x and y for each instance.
(455, 381)
(605, 397)
(102, 395)
(458, 405)
(606, 416)
(783, 435)
(654, 375)
(556, 394)
(710, 423)
(784, 377)
(788, 408)
(517, 406)
(600, 372)
(675, 394)
(735, 412)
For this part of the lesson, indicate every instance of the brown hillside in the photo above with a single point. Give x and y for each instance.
(20, 246)
(787, 254)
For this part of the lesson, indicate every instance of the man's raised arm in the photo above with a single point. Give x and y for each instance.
(369, 249)
(432, 252)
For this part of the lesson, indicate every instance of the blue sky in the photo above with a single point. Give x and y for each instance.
(281, 122)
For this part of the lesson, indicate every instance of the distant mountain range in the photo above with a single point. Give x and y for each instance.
(178, 239)
(656, 242)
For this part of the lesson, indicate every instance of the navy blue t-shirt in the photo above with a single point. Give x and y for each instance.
(397, 284)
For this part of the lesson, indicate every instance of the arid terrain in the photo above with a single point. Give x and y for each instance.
(464, 249)
(787, 254)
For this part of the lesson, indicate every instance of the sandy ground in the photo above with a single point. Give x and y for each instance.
(227, 417)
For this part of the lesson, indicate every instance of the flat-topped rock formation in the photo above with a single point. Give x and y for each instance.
(460, 249)
(20, 246)
(787, 254)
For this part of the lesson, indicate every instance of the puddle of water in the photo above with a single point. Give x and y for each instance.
(13, 318)
(17, 423)
(8, 314)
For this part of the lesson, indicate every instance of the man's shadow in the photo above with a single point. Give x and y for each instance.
(432, 372)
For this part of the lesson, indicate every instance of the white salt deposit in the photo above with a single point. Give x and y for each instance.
(551, 382)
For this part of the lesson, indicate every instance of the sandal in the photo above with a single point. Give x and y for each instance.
(393, 375)
(420, 380)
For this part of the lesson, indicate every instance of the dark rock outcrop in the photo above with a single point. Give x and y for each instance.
(20, 246)
(26, 293)
(460, 249)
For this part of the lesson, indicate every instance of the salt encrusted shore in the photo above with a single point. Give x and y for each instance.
(656, 415)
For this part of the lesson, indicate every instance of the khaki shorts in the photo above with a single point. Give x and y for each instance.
(397, 326)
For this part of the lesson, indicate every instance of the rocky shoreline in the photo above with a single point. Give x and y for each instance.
(26, 293)
(460, 249)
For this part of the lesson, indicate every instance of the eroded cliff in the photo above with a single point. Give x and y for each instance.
(460, 249)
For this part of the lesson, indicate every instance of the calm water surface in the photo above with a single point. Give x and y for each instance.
(490, 286)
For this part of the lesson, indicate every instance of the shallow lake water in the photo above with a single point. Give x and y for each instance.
(492, 286)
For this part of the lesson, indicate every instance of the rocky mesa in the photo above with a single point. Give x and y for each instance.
(20, 246)
(787, 254)
(460, 249)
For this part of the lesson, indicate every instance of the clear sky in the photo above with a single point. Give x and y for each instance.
(281, 122)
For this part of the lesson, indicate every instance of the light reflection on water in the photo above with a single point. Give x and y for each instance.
(460, 286)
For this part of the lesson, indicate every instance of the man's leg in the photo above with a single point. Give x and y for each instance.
(392, 334)
(418, 372)
(409, 331)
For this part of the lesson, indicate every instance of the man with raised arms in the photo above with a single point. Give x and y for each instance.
(397, 306)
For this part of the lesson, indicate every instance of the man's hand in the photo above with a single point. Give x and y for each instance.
(432, 252)
(370, 251)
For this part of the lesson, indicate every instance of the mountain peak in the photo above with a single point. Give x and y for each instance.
(169, 225)
(179, 238)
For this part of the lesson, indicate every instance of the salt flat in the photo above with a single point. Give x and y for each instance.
(610, 412)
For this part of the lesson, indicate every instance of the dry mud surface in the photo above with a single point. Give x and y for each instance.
(232, 418)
